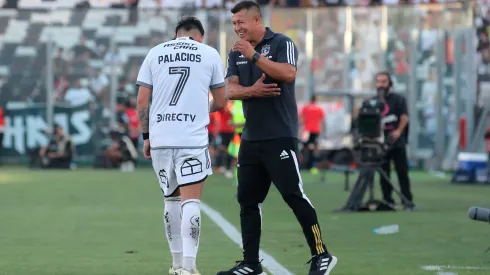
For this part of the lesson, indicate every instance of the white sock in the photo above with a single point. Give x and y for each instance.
(191, 228)
(173, 223)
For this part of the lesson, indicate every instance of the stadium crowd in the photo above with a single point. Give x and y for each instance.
(84, 61)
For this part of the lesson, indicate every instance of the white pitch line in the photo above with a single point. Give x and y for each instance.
(268, 262)
(442, 267)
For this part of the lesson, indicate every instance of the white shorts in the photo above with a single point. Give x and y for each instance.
(180, 167)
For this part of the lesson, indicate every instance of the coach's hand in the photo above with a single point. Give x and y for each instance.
(245, 48)
(265, 90)
(146, 149)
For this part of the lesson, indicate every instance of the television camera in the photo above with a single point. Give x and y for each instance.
(370, 148)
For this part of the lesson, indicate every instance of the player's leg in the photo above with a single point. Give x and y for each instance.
(282, 165)
(192, 167)
(253, 186)
(162, 161)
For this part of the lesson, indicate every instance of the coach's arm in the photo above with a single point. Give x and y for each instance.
(235, 91)
(284, 70)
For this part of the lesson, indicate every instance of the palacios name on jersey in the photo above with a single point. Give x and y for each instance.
(180, 56)
(186, 57)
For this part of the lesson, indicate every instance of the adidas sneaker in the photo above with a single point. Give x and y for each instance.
(245, 269)
(322, 264)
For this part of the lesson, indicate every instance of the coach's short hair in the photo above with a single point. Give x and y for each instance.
(188, 23)
(246, 5)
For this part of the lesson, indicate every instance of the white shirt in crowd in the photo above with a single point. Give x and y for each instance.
(78, 96)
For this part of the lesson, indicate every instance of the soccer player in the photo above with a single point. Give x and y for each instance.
(261, 72)
(178, 75)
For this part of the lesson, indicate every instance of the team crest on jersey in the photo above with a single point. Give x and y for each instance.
(265, 50)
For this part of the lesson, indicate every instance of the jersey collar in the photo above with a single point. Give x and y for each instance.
(183, 38)
(269, 34)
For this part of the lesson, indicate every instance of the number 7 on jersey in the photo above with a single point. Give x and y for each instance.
(183, 73)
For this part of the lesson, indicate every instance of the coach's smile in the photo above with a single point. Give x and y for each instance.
(241, 33)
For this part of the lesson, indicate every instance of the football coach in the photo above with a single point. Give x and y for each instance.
(261, 72)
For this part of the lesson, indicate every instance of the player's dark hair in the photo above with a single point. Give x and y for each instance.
(188, 23)
(313, 98)
(246, 5)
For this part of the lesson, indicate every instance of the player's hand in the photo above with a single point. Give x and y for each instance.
(245, 48)
(395, 135)
(146, 149)
(265, 90)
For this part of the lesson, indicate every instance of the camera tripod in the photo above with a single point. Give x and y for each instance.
(365, 183)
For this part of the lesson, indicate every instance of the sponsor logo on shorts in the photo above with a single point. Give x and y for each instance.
(191, 167)
(162, 174)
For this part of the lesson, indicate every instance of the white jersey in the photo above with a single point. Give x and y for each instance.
(180, 73)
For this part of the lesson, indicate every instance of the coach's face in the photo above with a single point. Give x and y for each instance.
(244, 23)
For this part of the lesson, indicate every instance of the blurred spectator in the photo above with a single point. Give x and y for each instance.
(59, 63)
(59, 152)
(133, 123)
(484, 64)
(99, 84)
(113, 57)
(2, 127)
(78, 95)
(122, 119)
(61, 87)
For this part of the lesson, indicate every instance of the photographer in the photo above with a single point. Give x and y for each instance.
(121, 153)
(395, 119)
(58, 154)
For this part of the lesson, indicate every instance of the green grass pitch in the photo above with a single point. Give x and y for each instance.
(110, 223)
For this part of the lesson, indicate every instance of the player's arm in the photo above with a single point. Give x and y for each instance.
(145, 83)
(284, 69)
(217, 85)
(143, 107)
(219, 99)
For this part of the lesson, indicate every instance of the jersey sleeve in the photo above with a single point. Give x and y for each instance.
(287, 52)
(144, 76)
(231, 68)
(218, 79)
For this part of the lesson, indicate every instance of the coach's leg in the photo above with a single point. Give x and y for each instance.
(253, 186)
(282, 165)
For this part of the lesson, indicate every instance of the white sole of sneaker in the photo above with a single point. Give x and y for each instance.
(263, 273)
(332, 265)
